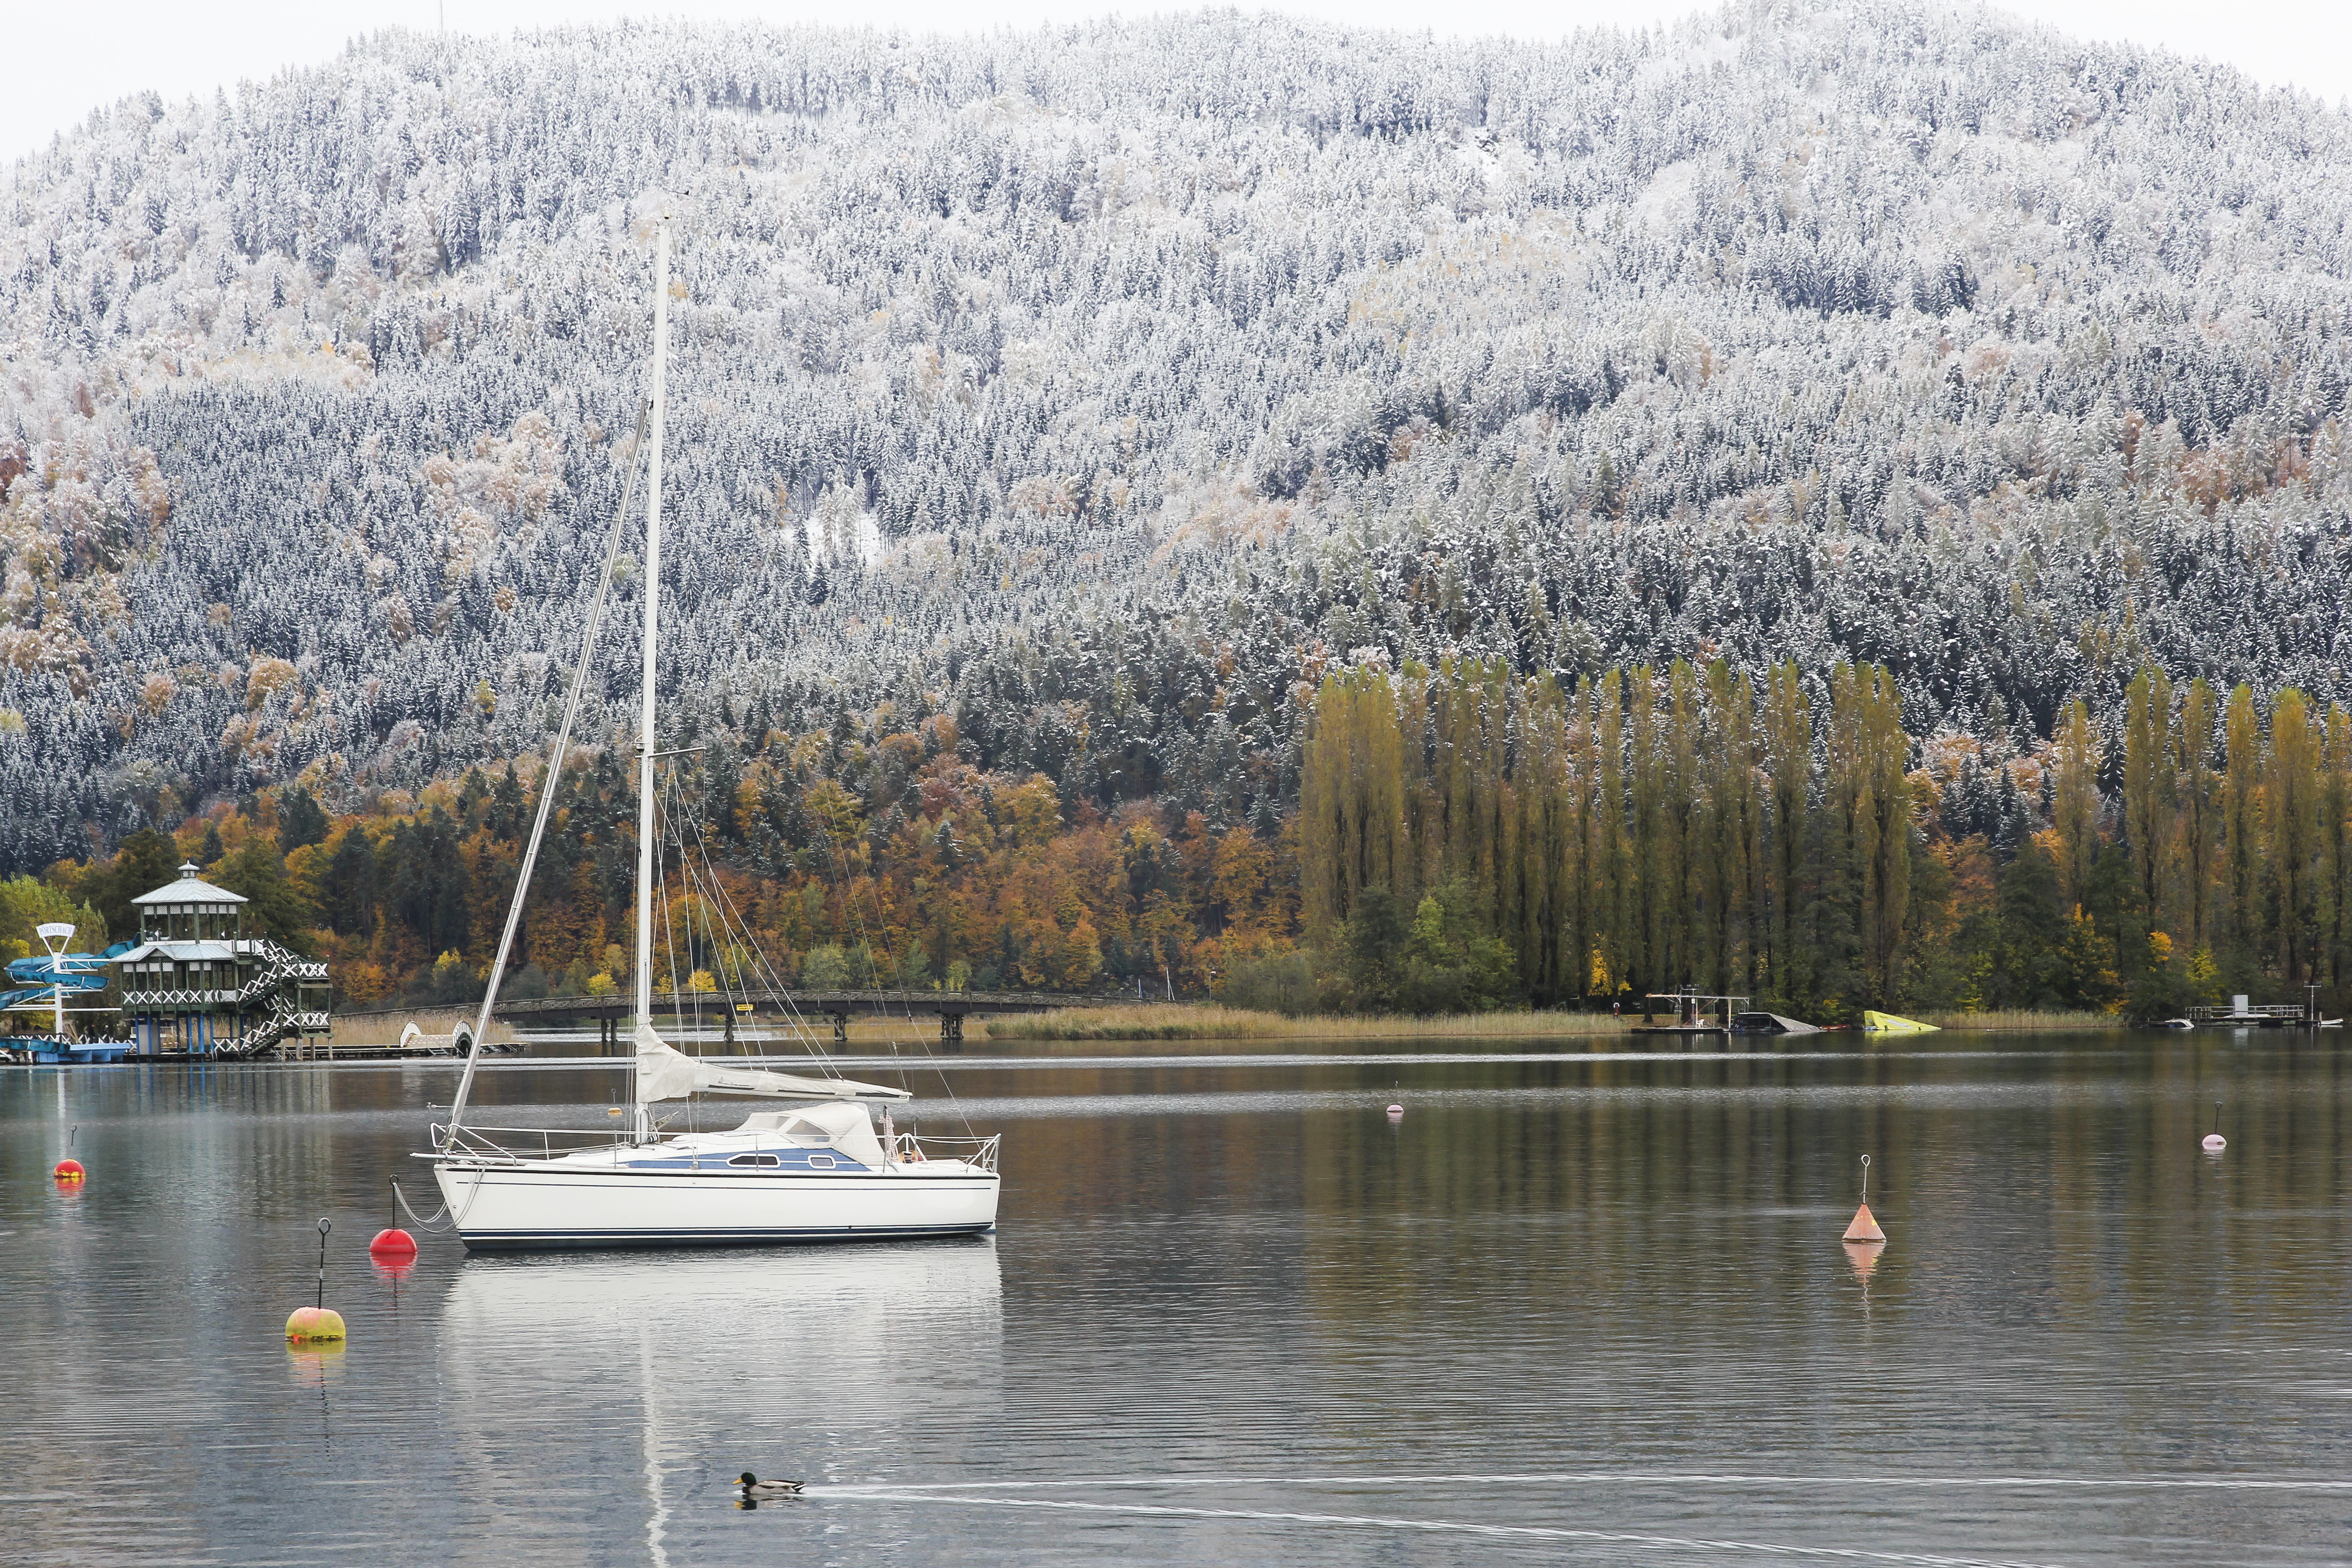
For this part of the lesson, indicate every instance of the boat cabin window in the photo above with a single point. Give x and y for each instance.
(807, 1132)
(755, 1160)
(821, 1162)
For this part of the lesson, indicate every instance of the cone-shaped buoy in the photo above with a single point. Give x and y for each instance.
(1864, 1229)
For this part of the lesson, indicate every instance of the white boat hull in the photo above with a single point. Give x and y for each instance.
(569, 1202)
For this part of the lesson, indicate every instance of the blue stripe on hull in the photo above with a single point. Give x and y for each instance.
(779, 1236)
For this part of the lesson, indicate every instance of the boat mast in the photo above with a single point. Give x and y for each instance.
(644, 967)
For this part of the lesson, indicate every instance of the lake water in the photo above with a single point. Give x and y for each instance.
(1572, 1308)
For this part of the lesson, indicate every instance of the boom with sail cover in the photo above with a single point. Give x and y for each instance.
(667, 1074)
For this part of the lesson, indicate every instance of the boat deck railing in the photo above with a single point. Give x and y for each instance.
(908, 1147)
(482, 1142)
(471, 1141)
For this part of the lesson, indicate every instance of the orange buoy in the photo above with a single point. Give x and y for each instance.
(308, 1324)
(1865, 1227)
(69, 1171)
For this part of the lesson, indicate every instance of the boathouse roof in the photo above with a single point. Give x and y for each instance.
(181, 951)
(189, 889)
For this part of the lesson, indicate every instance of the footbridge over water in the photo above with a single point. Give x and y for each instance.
(951, 1007)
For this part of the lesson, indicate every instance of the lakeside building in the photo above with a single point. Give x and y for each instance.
(194, 983)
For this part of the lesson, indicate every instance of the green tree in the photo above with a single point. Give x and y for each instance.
(2082, 970)
(2200, 809)
(1371, 947)
(2290, 790)
(351, 888)
(300, 823)
(2151, 794)
(274, 907)
(2032, 926)
(1789, 755)
(145, 861)
(2075, 800)
(827, 968)
(1351, 804)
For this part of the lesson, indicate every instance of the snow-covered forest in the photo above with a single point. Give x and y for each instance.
(1106, 388)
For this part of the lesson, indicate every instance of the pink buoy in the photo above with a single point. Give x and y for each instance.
(1396, 1112)
(2215, 1140)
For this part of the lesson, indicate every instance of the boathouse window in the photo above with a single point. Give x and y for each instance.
(755, 1160)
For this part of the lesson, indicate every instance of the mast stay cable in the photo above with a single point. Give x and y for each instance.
(556, 755)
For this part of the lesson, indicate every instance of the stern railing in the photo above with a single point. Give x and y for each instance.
(908, 1149)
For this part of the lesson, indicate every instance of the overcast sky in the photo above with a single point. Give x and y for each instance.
(69, 59)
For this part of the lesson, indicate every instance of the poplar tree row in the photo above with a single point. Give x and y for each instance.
(1647, 830)
(1654, 829)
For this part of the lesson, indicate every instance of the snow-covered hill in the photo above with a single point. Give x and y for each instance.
(1105, 382)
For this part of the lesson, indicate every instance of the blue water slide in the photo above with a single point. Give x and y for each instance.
(74, 971)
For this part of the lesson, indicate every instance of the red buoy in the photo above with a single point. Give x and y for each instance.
(69, 1171)
(390, 1245)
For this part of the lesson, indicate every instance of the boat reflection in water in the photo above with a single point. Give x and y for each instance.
(686, 1368)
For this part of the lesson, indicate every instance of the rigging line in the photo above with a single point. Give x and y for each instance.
(734, 930)
(557, 753)
(669, 934)
(700, 879)
(678, 816)
(723, 904)
(864, 938)
(849, 901)
(1464, 1527)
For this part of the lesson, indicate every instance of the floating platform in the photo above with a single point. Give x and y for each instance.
(35, 1051)
(1770, 1024)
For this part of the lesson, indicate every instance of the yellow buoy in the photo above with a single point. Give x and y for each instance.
(313, 1323)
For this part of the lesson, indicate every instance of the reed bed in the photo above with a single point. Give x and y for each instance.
(1182, 1021)
(2022, 1018)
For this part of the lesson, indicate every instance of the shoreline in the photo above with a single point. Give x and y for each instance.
(1195, 1021)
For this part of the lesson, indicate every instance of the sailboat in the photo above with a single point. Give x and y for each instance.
(818, 1171)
